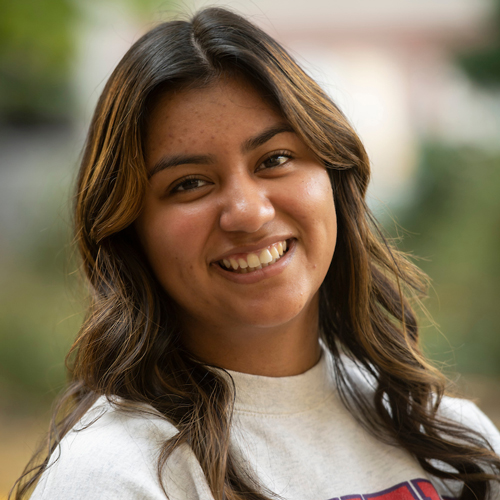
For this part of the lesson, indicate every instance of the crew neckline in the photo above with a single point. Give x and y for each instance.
(285, 395)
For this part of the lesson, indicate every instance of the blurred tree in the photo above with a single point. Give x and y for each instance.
(483, 65)
(37, 46)
(456, 215)
(455, 218)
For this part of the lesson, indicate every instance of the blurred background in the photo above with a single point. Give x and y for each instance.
(420, 82)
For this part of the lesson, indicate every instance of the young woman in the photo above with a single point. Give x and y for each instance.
(249, 333)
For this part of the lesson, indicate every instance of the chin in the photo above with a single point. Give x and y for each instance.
(273, 315)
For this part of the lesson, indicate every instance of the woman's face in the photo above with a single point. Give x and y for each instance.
(230, 185)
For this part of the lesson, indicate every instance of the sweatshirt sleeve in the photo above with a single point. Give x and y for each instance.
(116, 457)
(468, 414)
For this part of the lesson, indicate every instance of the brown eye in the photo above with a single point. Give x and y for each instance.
(275, 160)
(189, 184)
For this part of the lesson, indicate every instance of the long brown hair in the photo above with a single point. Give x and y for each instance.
(129, 344)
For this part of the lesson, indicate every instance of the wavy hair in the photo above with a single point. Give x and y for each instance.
(130, 342)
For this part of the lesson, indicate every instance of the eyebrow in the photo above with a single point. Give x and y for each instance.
(248, 145)
(174, 161)
(266, 135)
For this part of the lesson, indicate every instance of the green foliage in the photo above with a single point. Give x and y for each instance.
(36, 47)
(454, 225)
(483, 65)
(37, 50)
(40, 313)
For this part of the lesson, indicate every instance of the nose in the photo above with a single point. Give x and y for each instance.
(246, 206)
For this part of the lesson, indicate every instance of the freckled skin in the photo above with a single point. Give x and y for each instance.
(268, 327)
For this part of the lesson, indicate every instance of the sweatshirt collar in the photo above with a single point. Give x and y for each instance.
(285, 395)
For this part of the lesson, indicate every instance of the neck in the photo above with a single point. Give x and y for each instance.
(277, 351)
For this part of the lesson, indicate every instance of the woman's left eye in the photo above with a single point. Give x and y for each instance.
(275, 160)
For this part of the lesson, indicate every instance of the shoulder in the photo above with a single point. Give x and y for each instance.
(461, 411)
(112, 453)
(453, 410)
(467, 413)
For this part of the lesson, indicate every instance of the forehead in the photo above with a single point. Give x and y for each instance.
(231, 108)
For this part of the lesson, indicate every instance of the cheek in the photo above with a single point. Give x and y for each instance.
(315, 209)
(314, 205)
(171, 240)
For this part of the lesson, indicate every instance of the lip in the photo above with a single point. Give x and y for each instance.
(259, 274)
(252, 248)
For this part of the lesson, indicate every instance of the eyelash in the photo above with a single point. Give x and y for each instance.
(178, 185)
(276, 154)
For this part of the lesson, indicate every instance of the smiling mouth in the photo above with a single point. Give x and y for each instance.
(247, 263)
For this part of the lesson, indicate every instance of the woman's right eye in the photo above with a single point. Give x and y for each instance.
(188, 184)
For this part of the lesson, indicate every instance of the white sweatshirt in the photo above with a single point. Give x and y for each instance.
(293, 434)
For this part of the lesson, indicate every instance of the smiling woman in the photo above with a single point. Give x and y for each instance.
(250, 333)
(242, 188)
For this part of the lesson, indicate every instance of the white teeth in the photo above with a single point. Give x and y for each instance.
(253, 260)
(265, 256)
